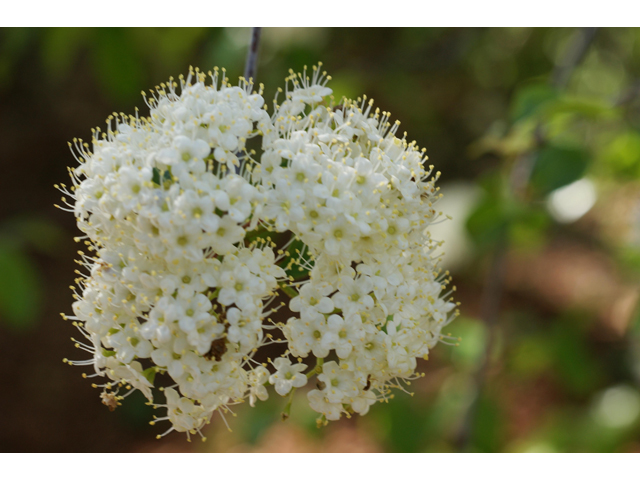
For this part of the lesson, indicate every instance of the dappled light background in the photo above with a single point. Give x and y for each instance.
(549, 356)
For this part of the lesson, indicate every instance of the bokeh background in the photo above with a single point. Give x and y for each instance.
(537, 135)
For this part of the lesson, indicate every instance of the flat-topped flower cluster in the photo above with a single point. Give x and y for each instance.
(194, 241)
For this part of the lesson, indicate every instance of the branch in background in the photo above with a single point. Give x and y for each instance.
(494, 285)
(490, 310)
(251, 66)
(523, 166)
(562, 73)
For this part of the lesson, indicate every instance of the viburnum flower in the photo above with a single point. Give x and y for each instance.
(193, 240)
(287, 376)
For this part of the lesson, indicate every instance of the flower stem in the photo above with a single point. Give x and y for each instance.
(287, 408)
(317, 369)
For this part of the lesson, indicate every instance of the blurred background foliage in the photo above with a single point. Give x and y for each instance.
(540, 158)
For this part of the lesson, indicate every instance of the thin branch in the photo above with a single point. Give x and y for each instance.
(490, 311)
(523, 166)
(251, 66)
(576, 53)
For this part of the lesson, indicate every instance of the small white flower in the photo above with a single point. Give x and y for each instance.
(312, 298)
(319, 402)
(257, 378)
(342, 335)
(353, 296)
(305, 335)
(287, 376)
(339, 383)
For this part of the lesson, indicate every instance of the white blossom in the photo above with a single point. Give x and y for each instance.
(194, 240)
(287, 376)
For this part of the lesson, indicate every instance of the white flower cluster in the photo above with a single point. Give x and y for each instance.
(193, 239)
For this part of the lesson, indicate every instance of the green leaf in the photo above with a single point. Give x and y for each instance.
(406, 419)
(60, 48)
(386, 323)
(621, 156)
(117, 64)
(488, 222)
(488, 425)
(156, 176)
(40, 233)
(468, 355)
(585, 107)
(168, 46)
(557, 166)
(161, 177)
(134, 413)
(528, 230)
(576, 365)
(295, 270)
(530, 356)
(20, 288)
(529, 99)
(628, 259)
(150, 374)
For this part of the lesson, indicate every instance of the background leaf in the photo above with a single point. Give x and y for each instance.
(558, 166)
(530, 98)
(118, 67)
(20, 288)
(60, 48)
(39, 233)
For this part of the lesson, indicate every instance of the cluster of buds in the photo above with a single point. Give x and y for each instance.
(195, 241)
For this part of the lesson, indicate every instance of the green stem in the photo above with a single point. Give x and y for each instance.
(213, 295)
(317, 369)
(287, 408)
(289, 291)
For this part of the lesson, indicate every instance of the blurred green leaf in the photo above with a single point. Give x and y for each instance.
(487, 432)
(528, 230)
(586, 107)
(558, 166)
(171, 46)
(349, 86)
(134, 413)
(578, 369)
(60, 47)
(468, 354)
(150, 374)
(489, 221)
(628, 260)
(40, 233)
(20, 287)
(621, 156)
(116, 63)
(531, 356)
(259, 418)
(406, 432)
(529, 99)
